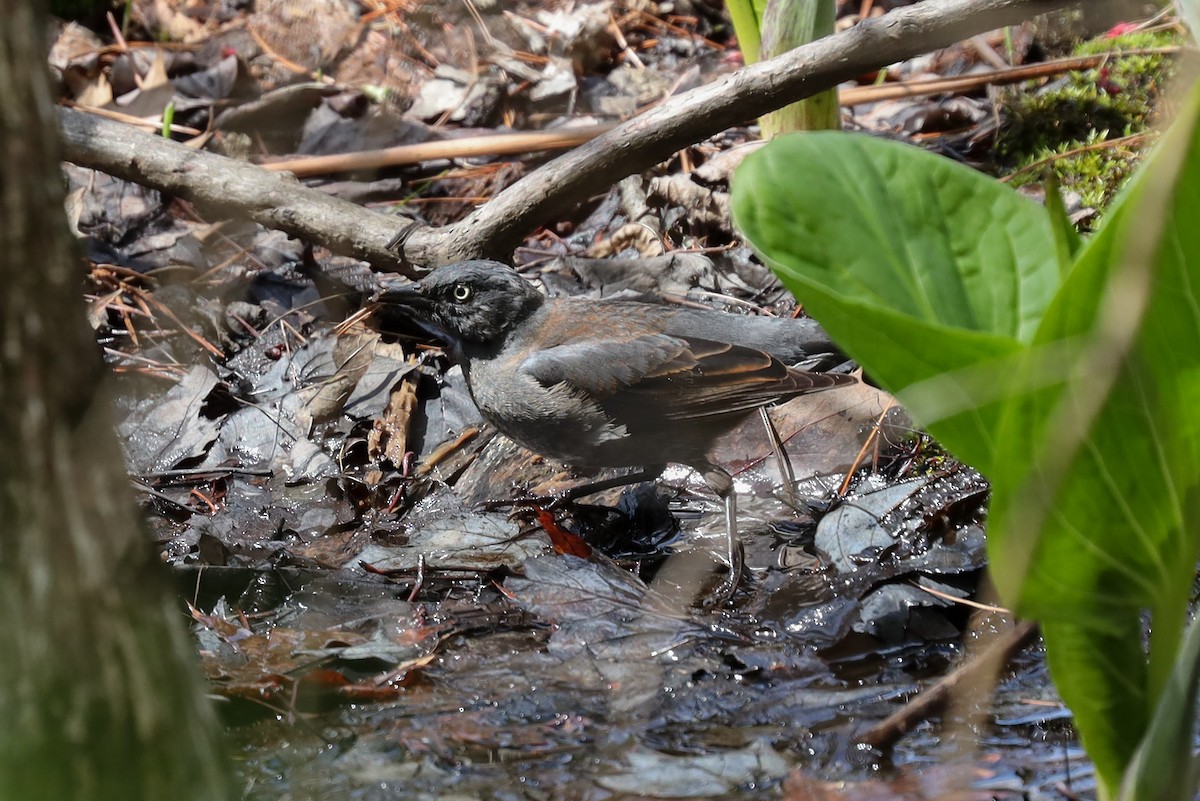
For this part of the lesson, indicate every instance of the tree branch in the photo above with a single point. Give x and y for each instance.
(498, 227)
(223, 186)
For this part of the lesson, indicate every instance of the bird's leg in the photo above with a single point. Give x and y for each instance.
(785, 464)
(720, 482)
(734, 553)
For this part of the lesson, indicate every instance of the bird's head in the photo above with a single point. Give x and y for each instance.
(475, 302)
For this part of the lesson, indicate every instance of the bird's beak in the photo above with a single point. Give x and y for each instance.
(407, 303)
(409, 295)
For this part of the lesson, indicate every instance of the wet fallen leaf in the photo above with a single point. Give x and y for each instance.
(564, 541)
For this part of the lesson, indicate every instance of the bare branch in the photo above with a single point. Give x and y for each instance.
(498, 227)
(223, 186)
(227, 187)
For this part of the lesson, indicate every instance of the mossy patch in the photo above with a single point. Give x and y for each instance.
(1081, 111)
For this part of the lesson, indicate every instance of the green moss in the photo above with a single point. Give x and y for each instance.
(1084, 109)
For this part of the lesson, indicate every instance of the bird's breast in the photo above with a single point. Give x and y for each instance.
(556, 421)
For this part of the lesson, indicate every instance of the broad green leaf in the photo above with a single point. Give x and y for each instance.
(1163, 769)
(889, 225)
(1106, 692)
(1112, 454)
(1089, 431)
(1096, 510)
(920, 355)
(922, 269)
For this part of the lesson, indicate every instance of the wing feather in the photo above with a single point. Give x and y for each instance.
(680, 378)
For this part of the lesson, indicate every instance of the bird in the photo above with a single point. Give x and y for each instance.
(612, 383)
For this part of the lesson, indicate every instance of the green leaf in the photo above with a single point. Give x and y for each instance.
(1066, 238)
(1103, 681)
(922, 269)
(1096, 481)
(747, 16)
(892, 226)
(1163, 769)
(1103, 463)
(1090, 433)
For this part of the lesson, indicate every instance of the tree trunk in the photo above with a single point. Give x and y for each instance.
(100, 696)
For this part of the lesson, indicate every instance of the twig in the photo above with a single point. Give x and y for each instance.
(498, 227)
(1132, 140)
(869, 443)
(954, 599)
(229, 188)
(491, 145)
(857, 95)
(153, 125)
(619, 37)
(934, 698)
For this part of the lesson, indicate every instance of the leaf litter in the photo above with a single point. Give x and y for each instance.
(318, 490)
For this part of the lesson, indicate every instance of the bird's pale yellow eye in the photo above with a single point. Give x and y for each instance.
(461, 292)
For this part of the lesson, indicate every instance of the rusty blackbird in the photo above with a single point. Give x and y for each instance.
(612, 383)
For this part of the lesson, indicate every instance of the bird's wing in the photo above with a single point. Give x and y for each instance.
(681, 377)
(732, 379)
(605, 366)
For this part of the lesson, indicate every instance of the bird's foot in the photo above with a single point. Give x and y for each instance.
(735, 561)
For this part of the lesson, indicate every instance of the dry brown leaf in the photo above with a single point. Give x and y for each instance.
(389, 434)
(352, 356)
(634, 235)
